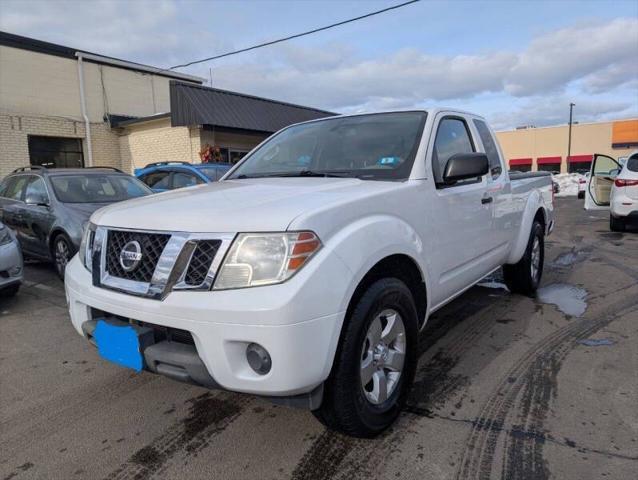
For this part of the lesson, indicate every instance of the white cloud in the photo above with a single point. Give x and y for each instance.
(555, 59)
(554, 110)
(601, 57)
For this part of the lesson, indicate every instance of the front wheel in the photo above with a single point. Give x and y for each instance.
(375, 362)
(63, 251)
(525, 276)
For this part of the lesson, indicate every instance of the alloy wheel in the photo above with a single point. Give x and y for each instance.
(383, 356)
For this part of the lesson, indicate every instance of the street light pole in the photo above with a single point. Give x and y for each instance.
(569, 141)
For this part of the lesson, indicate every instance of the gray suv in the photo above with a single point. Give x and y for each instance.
(48, 208)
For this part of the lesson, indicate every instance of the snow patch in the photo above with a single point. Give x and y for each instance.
(568, 183)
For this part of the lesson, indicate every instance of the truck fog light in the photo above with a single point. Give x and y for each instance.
(258, 358)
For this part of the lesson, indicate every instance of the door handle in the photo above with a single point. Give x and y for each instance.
(485, 200)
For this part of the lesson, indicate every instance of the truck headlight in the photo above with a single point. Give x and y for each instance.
(86, 246)
(256, 259)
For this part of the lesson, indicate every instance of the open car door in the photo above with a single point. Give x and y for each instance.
(603, 172)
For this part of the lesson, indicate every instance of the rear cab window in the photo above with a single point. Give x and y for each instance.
(491, 150)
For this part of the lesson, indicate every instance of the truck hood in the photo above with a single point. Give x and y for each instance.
(265, 204)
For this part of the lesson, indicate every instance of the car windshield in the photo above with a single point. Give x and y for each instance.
(213, 173)
(371, 147)
(96, 188)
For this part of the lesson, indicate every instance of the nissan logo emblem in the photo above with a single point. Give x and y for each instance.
(131, 255)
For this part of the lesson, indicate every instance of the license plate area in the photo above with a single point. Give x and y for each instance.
(122, 343)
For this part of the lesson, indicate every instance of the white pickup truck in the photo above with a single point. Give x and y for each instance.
(306, 274)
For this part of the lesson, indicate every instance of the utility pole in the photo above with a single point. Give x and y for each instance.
(569, 141)
(210, 73)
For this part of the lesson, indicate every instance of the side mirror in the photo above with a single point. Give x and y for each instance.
(35, 199)
(463, 166)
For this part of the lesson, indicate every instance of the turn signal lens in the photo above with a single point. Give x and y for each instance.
(256, 259)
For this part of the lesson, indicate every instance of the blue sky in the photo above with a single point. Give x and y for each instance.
(517, 63)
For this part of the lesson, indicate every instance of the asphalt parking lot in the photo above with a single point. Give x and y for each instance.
(507, 387)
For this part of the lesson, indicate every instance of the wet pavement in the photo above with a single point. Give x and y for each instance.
(507, 387)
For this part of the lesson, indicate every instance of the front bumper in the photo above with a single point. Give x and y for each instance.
(11, 265)
(297, 322)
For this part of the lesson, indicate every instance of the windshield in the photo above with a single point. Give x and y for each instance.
(371, 147)
(97, 188)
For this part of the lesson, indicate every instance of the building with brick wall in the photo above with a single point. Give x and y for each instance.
(532, 149)
(64, 107)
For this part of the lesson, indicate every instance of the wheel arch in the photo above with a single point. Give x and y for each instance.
(400, 266)
(534, 211)
(55, 232)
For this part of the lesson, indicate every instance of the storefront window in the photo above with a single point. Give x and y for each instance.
(56, 152)
(520, 168)
(579, 167)
(549, 167)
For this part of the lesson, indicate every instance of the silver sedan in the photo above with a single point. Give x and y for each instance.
(11, 266)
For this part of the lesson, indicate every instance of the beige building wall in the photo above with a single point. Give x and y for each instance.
(40, 95)
(587, 139)
(156, 141)
(37, 84)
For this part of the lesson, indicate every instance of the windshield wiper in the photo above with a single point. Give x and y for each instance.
(300, 173)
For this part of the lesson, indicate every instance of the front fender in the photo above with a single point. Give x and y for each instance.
(534, 202)
(365, 242)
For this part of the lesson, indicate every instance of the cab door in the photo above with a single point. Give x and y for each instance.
(461, 212)
(602, 175)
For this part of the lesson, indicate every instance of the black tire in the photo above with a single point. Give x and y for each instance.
(61, 243)
(616, 224)
(520, 277)
(345, 407)
(10, 291)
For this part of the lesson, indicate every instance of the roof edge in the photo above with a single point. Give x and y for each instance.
(13, 40)
(253, 97)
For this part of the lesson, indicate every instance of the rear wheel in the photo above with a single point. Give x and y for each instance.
(616, 224)
(525, 276)
(63, 251)
(375, 362)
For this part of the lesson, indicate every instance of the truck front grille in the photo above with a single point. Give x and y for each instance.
(201, 261)
(152, 245)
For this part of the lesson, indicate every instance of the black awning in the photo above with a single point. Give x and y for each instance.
(196, 105)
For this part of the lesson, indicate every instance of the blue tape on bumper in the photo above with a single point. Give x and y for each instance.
(119, 345)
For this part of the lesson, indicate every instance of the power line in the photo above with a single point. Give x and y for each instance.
(285, 39)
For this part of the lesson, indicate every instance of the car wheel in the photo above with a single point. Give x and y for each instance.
(62, 253)
(10, 291)
(375, 362)
(616, 224)
(525, 276)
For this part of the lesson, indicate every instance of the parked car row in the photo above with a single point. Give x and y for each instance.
(45, 210)
(49, 208)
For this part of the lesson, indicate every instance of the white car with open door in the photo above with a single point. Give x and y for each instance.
(615, 187)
